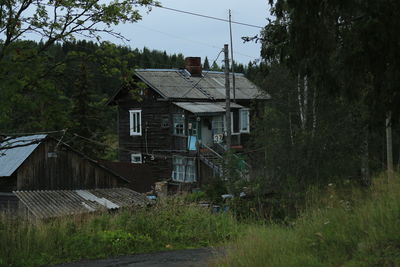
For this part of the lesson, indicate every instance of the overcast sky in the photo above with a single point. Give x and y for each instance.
(195, 36)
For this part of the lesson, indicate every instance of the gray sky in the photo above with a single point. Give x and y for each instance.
(195, 36)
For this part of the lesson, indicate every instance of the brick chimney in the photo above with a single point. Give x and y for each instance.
(193, 66)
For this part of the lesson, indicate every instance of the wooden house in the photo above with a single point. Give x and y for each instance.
(176, 127)
(39, 162)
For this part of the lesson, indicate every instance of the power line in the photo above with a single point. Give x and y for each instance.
(189, 40)
(22, 134)
(188, 91)
(208, 17)
(89, 140)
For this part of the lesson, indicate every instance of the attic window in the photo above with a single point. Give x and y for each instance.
(135, 122)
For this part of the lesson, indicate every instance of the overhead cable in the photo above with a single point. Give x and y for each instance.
(208, 17)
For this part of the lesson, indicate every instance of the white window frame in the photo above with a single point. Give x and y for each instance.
(135, 119)
(232, 131)
(179, 125)
(183, 169)
(134, 155)
(241, 111)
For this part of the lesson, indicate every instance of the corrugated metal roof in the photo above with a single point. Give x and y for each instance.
(56, 203)
(11, 159)
(174, 84)
(205, 107)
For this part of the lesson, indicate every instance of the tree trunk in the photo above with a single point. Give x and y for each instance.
(389, 146)
(365, 173)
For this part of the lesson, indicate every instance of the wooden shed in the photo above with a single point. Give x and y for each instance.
(40, 162)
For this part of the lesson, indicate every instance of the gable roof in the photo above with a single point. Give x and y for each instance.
(180, 85)
(22, 148)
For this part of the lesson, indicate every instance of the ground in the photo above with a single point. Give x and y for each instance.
(187, 258)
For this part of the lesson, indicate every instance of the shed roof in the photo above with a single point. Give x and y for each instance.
(203, 108)
(56, 203)
(16, 150)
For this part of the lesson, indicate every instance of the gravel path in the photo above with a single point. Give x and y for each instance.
(186, 258)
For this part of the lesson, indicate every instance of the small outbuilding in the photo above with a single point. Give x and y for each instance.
(40, 162)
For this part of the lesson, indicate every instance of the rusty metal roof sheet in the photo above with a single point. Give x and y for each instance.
(203, 108)
(56, 203)
(176, 84)
(21, 148)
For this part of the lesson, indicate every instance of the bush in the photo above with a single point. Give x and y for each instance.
(357, 231)
(168, 225)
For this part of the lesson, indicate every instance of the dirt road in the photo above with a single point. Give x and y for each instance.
(186, 258)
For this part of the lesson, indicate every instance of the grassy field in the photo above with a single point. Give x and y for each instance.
(171, 225)
(340, 227)
(347, 228)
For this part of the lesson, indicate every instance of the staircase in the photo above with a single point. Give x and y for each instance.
(215, 160)
(212, 159)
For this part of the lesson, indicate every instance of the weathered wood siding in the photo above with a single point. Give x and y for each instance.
(69, 170)
(8, 184)
(156, 138)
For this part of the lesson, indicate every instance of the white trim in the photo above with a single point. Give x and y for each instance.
(135, 122)
(248, 120)
(133, 155)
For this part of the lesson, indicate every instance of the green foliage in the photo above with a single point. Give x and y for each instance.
(168, 225)
(348, 48)
(195, 197)
(346, 228)
(68, 87)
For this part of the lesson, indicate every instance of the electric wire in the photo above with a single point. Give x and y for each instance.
(188, 91)
(192, 41)
(207, 16)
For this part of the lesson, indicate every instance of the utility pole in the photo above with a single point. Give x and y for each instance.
(389, 146)
(228, 99)
(233, 62)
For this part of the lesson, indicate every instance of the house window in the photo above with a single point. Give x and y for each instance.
(192, 128)
(218, 124)
(179, 124)
(165, 122)
(244, 121)
(135, 122)
(136, 158)
(184, 169)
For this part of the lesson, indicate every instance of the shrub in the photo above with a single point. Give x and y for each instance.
(357, 231)
(168, 225)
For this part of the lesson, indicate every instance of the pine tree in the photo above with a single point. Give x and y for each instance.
(206, 65)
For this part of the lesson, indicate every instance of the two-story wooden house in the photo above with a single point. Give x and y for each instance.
(180, 114)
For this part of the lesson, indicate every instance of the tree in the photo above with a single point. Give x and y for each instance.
(346, 49)
(63, 20)
(29, 90)
(206, 64)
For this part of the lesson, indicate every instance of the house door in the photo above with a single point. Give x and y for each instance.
(205, 131)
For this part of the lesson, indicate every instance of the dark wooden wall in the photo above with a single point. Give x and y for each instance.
(158, 138)
(141, 177)
(69, 170)
(8, 184)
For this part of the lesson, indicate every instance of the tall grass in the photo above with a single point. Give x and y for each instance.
(352, 229)
(168, 225)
